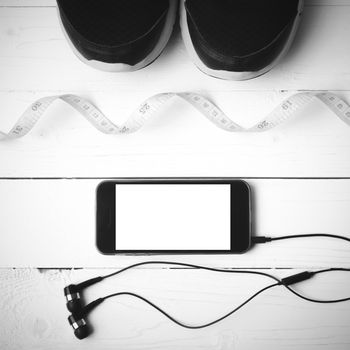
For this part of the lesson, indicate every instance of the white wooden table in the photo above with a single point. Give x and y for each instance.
(299, 174)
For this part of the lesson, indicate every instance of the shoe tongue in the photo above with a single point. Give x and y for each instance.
(113, 22)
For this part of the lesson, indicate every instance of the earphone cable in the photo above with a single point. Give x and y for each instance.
(179, 323)
(255, 240)
(263, 239)
(279, 283)
(333, 301)
(213, 269)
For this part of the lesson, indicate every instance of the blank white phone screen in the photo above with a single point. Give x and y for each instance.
(172, 217)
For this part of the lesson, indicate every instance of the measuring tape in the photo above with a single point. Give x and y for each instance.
(147, 109)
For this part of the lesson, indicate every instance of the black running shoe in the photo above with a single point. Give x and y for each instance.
(117, 35)
(238, 39)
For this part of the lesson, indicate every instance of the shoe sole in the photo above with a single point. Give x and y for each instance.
(229, 75)
(123, 67)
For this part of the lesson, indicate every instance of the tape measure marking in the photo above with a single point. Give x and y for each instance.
(282, 113)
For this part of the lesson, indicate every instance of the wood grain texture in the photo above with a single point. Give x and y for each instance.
(51, 223)
(34, 316)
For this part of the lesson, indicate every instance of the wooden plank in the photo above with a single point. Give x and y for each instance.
(27, 3)
(177, 142)
(35, 56)
(51, 223)
(32, 304)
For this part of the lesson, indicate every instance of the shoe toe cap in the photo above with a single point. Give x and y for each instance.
(113, 31)
(238, 38)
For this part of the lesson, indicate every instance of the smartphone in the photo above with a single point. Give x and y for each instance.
(173, 216)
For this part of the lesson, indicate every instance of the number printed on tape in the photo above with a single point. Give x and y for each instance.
(141, 116)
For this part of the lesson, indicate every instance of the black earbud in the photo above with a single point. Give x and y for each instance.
(81, 329)
(73, 298)
(74, 303)
(78, 319)
(73, 294)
